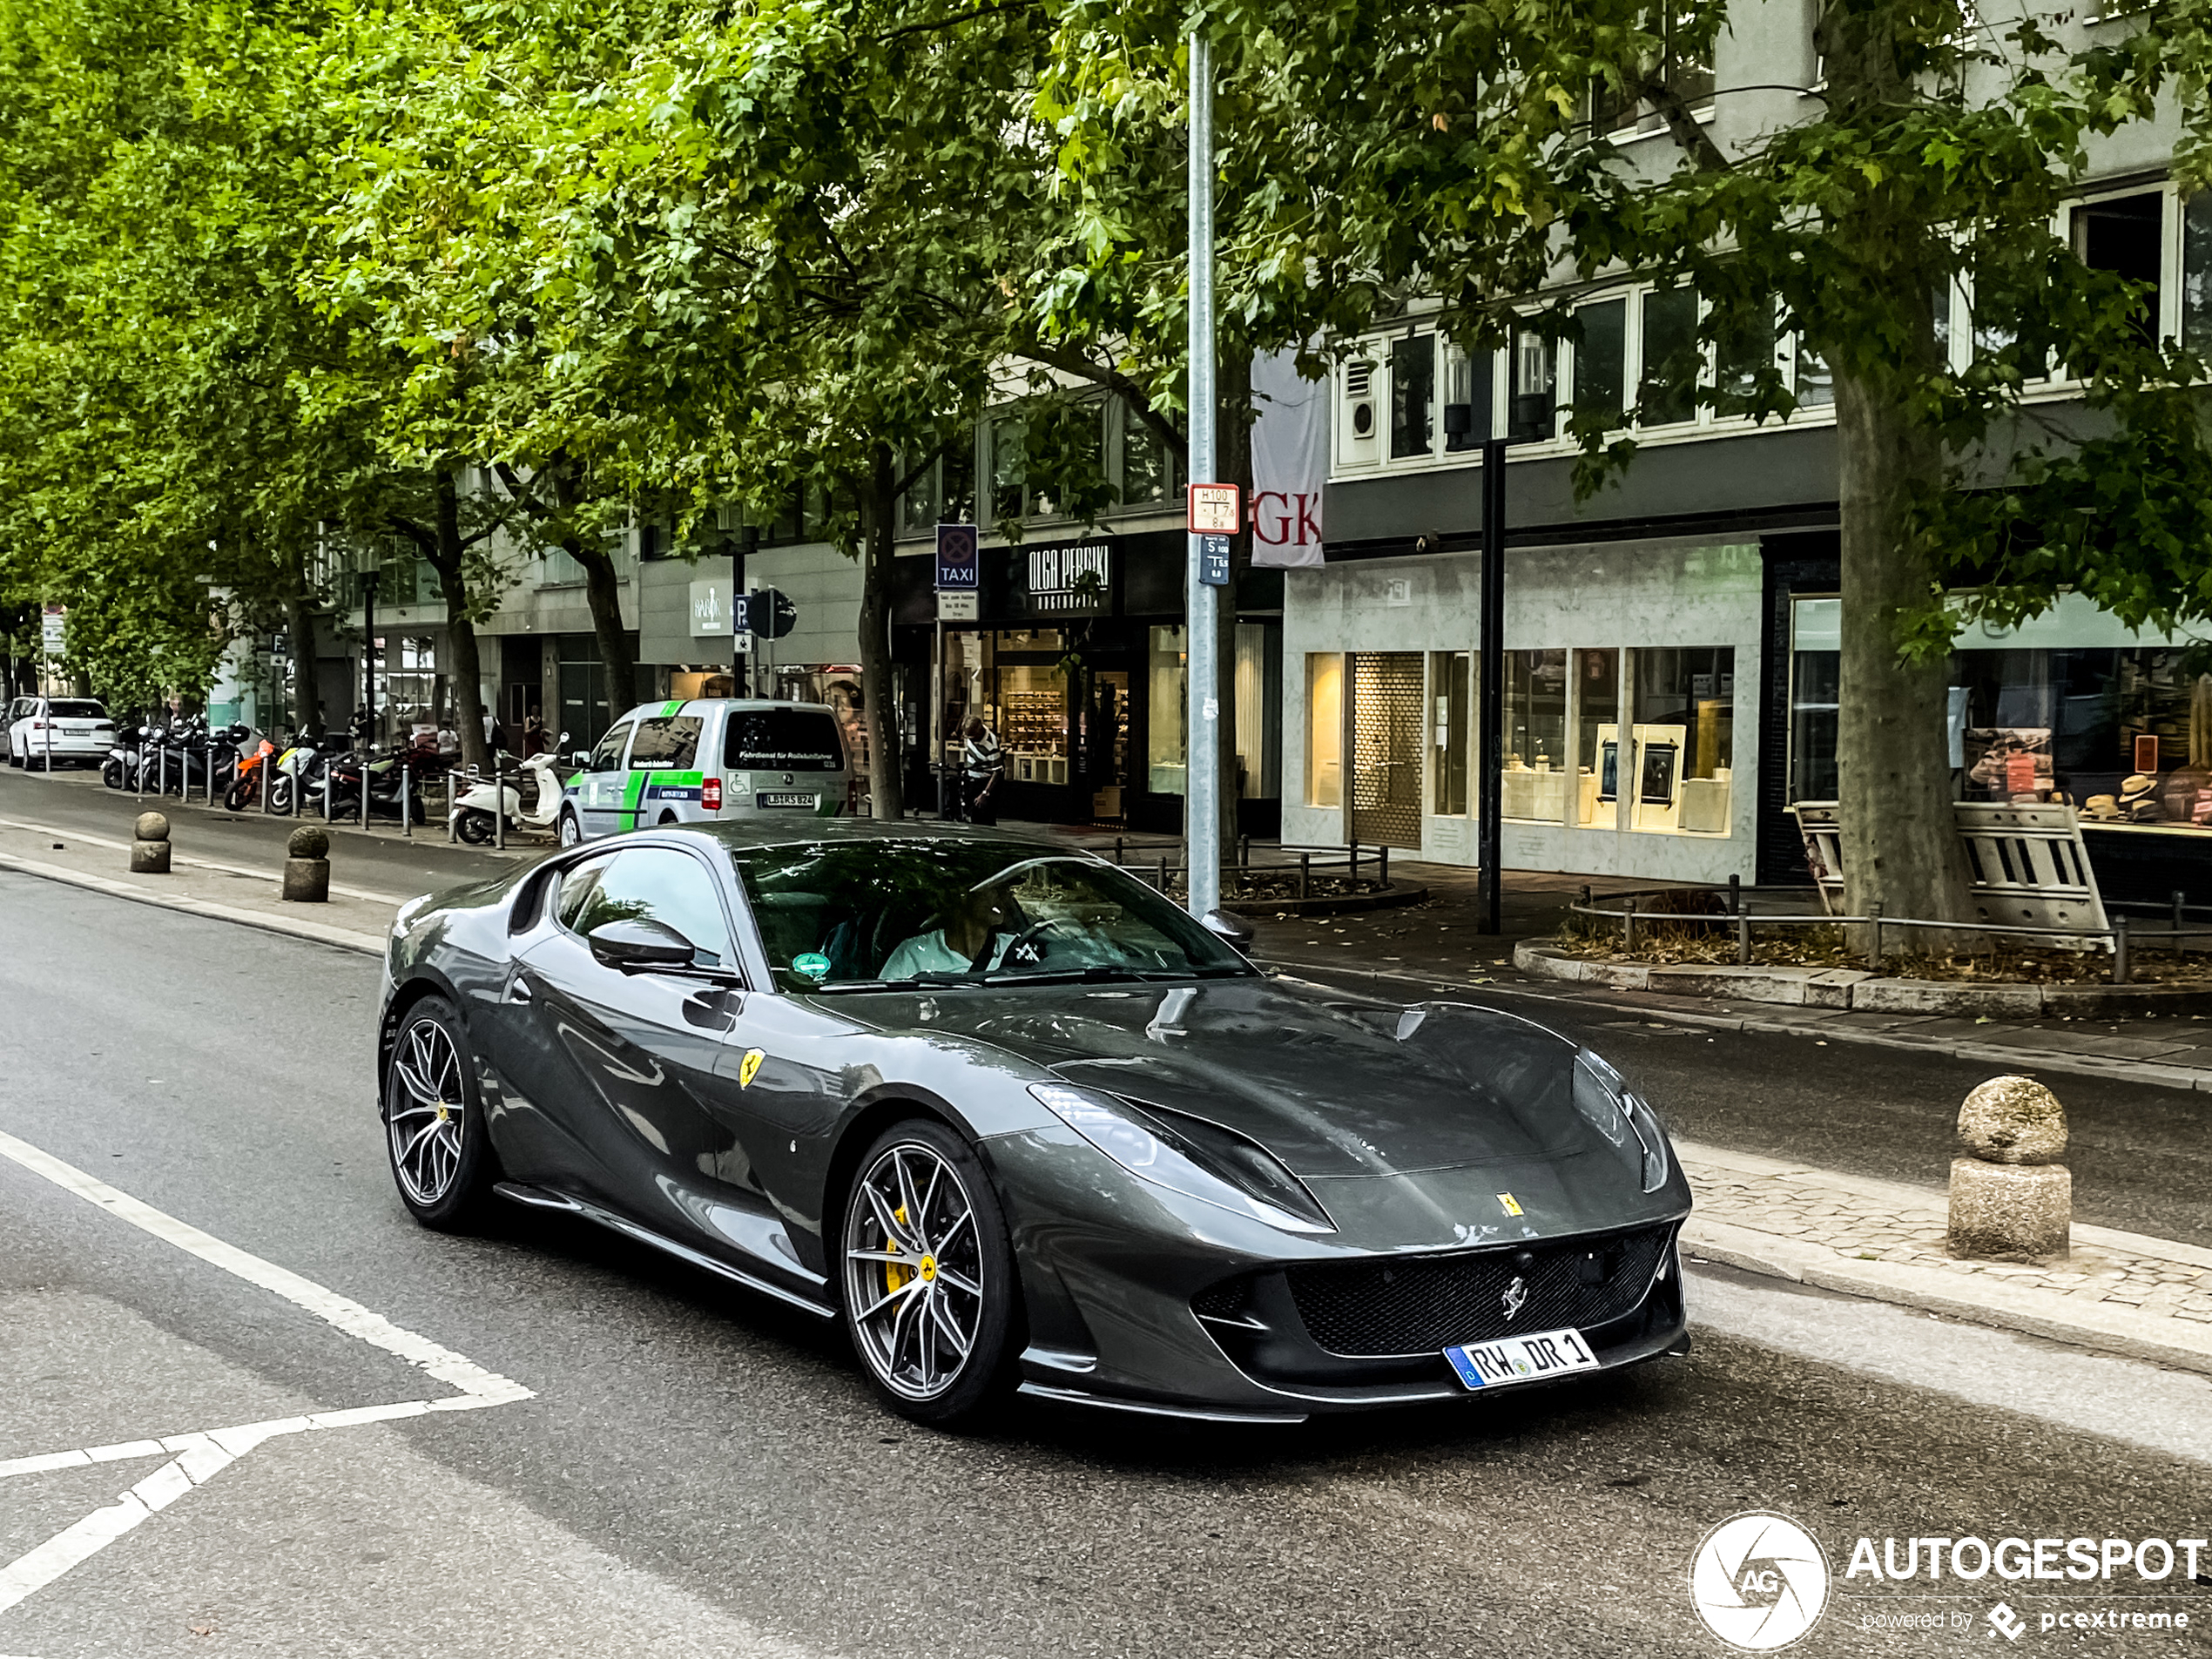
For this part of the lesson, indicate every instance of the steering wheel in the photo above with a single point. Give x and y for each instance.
(1028, 936)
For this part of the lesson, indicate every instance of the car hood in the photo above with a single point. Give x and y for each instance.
(1334, 1085)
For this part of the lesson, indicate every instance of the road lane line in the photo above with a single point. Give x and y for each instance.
(348, 1315)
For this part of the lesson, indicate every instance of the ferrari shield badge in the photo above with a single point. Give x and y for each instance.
(1506, 1202)
(748, 1066)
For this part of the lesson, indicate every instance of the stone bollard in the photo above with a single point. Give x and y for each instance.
(2011, 1200)
(307, 866)
(150, 846)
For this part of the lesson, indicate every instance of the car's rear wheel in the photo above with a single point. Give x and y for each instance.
(572, 833)
(931, 1302)
(434, 1123)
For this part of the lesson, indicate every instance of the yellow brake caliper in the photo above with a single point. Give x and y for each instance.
(895, 1278)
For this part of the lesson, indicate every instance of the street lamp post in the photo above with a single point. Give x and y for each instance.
(1490, 709)
(368, 653)
(1201, 776)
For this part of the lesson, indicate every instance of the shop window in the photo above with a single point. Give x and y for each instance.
(1167, 712)
(966, 688)
(1148, 471)
(1033, 723)
(1816, 381)
(1324, 729)
(1746, 353)
(1258, 717)
(1450, 733)
(1597, 737)
(1009, 468)
(1413, 389)
(1684, 739)
(1669, 391)
(1602, 360)
(1529, 414)
(1466, 398)
(1534, 786)
(1053, 639)
(921, 501)
(2197, 274)
(1813, 706)
(2126, 236)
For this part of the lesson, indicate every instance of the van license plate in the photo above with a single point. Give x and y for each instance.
(787, 798)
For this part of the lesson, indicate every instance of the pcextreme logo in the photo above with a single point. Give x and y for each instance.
(1759, 1581)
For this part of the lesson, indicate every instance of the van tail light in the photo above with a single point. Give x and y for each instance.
(710, 794)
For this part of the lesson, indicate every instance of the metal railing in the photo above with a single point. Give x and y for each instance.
(1305, 862)
(2121, 939)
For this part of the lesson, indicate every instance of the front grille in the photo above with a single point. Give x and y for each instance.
(1426, 1303)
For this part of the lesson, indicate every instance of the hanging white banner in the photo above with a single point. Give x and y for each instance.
(1289, 463)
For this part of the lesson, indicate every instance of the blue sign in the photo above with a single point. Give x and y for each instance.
(956, 558)
(1213, 561)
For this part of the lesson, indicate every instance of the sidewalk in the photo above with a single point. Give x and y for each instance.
(2122, 1293)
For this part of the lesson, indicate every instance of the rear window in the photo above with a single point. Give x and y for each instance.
(668, 742)
(65, 710)
(782, 740)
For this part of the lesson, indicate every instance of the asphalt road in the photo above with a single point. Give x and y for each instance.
(699, 1473)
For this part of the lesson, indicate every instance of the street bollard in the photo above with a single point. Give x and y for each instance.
(1382, 869)
(1874, 915)
(1353, 869)
(1628, 925)
(1117, 850)
(1735, 895)
(2012, 1199)
(1164, 874)
(1304, 873)
(2177, 910)
(164, 769)
(1742, 936)
(150, 844)
(266, 771)
(328, 772)
(2120, 962)
(307, 866)
(364, 791)
(499, 804)
(407, 798)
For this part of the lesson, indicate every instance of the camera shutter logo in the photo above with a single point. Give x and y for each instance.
(1759, 1581)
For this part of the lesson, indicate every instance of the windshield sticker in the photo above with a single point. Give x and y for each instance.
(811, 963)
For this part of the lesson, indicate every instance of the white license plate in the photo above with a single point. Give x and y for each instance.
(1518, 1359)
(781, 798)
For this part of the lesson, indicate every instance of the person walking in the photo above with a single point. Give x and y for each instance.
(983, 764)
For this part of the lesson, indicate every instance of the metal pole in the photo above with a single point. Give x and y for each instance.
(1735, 895)
(363, 768)
(328, 772)
(1874, 914)
(265, 770)
(406, 790)
(165, 766)
(499, 804)
(1490, 669)
(1304, 873)
(1202, 810)
(2120, 950)
(2177, 910)
(1742, 936)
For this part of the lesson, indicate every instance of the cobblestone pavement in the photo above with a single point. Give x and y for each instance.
(1883, 1222)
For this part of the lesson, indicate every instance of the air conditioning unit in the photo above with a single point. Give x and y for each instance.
(1358, 441)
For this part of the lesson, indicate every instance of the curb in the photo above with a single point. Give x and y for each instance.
(2093, 1324)
(318, 932)
(1839, 988)
(1390, 898)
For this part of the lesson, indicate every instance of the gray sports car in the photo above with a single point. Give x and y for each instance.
(1020, 1122)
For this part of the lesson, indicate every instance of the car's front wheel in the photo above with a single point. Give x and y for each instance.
(572, 833)
(434, 1123)
(931, 1302)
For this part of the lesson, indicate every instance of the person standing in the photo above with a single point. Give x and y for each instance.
(983, 764)
(534, 739)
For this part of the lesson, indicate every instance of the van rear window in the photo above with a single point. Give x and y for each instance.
(782, 740)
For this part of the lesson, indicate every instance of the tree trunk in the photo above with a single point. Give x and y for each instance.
(879, 711)
(299, 623)
(604, 597)
(460, 631)
(1900, 845)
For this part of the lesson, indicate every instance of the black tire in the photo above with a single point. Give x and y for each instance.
(236, 796)
(475, 827)
(983, 1377)
(111, 774)
(281, 794)
(438, 1146)
(569, 833)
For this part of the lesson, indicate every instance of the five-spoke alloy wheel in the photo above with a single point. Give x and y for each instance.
(928, 1285)
(433, 1126)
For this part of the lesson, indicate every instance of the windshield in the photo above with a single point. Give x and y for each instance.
(866, 914)
(65, 710)
(782, 740)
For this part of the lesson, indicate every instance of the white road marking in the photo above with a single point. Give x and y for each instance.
(200, 1457)
(52, 833)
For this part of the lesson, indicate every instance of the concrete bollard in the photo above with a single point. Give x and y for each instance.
(2011, 1200)
(150, 846)
(307, 866)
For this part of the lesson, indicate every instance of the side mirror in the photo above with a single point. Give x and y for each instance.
(564, 737)
(1232, 928)
(635, 945)
(580, 758)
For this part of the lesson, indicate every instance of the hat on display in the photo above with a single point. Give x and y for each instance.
(2101, 806)
(2136, 787)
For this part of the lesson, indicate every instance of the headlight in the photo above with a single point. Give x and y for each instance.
(1629, 1125)
(1197, 1159)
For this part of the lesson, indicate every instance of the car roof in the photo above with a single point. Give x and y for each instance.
(705, 704)
(762, 831)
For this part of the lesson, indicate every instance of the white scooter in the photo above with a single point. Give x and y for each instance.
(471, 818)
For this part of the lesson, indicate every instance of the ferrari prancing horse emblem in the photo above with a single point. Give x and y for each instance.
(1516, 1299)
(749, 1065)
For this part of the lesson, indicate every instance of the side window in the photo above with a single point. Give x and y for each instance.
(670, 744)
(608, 756)
(651, 884)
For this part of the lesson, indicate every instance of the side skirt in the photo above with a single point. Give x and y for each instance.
(542, 1198)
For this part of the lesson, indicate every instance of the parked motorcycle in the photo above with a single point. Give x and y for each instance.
(532, 805)
(249, 772)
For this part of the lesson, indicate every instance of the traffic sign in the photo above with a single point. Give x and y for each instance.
(1215, 509)
(764, 612)
(1213, 561)
(956, 559)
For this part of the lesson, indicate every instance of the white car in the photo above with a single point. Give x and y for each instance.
(702, 761)
(70, 729)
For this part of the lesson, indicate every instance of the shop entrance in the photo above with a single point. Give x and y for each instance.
(1104, 725)
(1386, 749)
